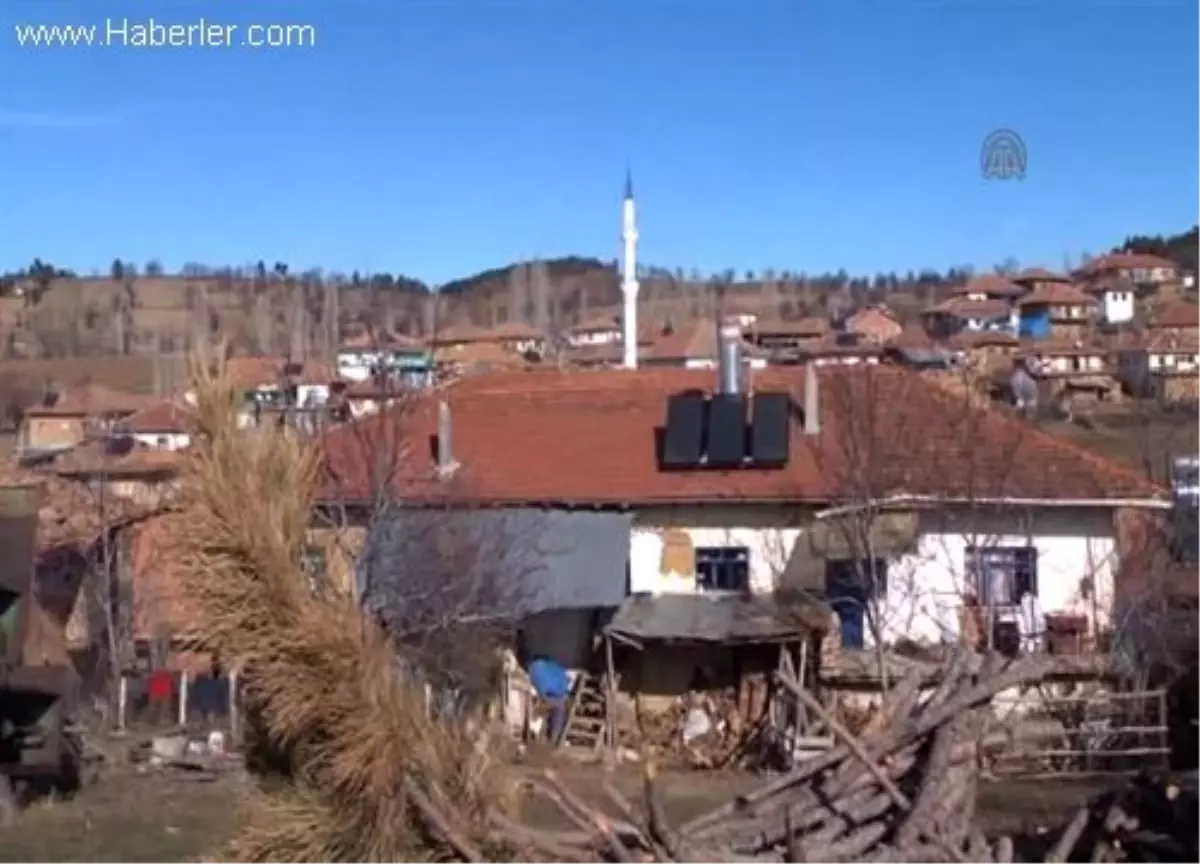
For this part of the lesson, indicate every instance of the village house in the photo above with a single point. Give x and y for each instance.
(991, 287)
(1056, 309)
(696, 347)
(64, 420)
(1117, 297)
(799, 485)
(837, 348)
(984, 352)
(1161, 364)
(873, 324)
(303, 393)
(366, 355)
(601, 328)
(775, 336)
(162, 425)
(513, 337)
(1140, 269)
(1174, 317)
(964, 313)
(1071, 373)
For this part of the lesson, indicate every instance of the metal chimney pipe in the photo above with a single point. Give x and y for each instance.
(729, 358)
(445, 450)
(812, 400)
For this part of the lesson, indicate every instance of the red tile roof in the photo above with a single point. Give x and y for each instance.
(1057, 294)
(589, 438)
(962, 307)
(874, 323)
(991, 285)
(697, 341)
(253, 372)
(598, 322)
(1062, 348)
(91, 400)
(462, 334)
(1039, 274)
(1175, 315)
(811, 326)
(166, 415)
(365, 340)
(1127, 261)
(968, 339)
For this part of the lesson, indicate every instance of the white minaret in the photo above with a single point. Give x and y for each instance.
(629, 283)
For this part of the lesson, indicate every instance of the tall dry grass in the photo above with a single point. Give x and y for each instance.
(369, 776)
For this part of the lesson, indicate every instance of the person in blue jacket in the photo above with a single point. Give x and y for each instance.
(551, 682)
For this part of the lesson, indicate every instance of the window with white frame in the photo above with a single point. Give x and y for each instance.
(722, 568)
(1001, 575)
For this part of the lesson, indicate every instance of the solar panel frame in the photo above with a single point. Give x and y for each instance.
(683, 437)
(771, 430)
(726, 445)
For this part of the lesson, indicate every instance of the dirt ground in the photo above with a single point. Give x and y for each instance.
(171, 816)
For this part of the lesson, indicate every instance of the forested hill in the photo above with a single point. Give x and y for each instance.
(1180, 248)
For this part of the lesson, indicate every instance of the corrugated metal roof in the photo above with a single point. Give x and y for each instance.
(716, 618)
(494, 563)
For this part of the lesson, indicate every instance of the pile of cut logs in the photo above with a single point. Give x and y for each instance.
(1148, 819)
(903, 790)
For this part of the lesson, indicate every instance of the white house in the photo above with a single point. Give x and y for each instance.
(164, 425)
(1117, 297)
(883, 473)
(404, 357)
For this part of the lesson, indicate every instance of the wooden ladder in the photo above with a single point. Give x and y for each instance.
(586, 715)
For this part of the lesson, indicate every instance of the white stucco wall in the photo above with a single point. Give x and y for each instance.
(1076, 560)
(925, 587)
(1118, 306)
(769, 533)
(163, 440)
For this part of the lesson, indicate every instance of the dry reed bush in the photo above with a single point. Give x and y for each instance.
(360, 750)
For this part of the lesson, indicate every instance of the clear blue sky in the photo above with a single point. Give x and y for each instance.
(440, 137)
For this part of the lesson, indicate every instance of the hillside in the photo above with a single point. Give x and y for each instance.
(48, 312)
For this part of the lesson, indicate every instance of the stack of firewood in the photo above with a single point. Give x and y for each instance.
(1148, 819)
(903, 791)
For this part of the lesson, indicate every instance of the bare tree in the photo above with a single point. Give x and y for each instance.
(519, 299)
(539, 282)
(877, 467)
(431, 574)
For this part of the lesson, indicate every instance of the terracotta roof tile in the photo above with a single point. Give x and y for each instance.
(912, 337)
(991, 285)
(1057, 294)
(1126, 261)
(697, 341)
(1061, 348)
(598, 322)
(589, 438)
(962, 307)
(365, 340)
(467, 333)
(968, 339)
(164, 416)
(252, 372)
(1176, 315)
(810, 326)
(1039, 274)
(873, 322)
(91, 400)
